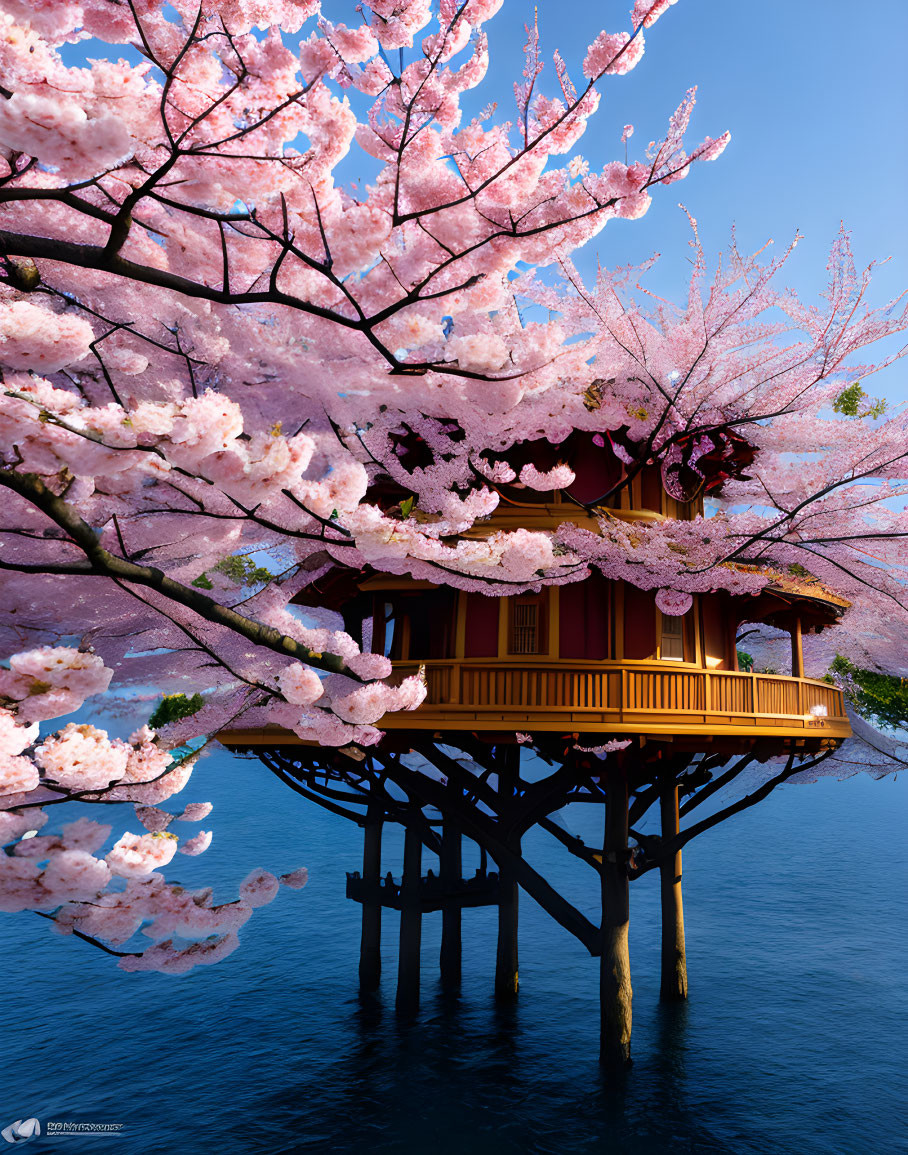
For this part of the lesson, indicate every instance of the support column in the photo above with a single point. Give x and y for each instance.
(451, 871)
(674, 959)
(614, 965)
(506, 974)
(797, 650)
(370, 942)
(410, 923)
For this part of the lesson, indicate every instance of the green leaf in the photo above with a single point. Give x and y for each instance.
(242, 571)
(406, 507)
(853, 401)
(883, 697)
(172, 707)
(849, 400)
(202, 582)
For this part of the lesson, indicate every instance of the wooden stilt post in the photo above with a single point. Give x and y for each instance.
(370, 942)
(451, 871)
(410, 923)
(614, 965)
(674, 960)
(506, 974)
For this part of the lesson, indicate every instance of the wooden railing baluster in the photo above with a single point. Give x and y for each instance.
(694, 696)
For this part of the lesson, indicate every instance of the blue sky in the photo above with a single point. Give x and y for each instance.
(815, 96)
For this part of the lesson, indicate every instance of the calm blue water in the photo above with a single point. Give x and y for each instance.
(793, 1040)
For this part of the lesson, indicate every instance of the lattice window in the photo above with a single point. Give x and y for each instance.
(672, 648)
(525, 628)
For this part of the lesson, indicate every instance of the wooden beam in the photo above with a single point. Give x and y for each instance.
(370, 940)
(450, 869)
(507, 758)
(482, 829)
(673, 987)
(615, 993)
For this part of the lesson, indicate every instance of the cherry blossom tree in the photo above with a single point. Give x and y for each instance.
(227, 373)
(157, 425)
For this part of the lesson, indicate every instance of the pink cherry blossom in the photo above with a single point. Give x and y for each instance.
(712, 149)
(35, 338)
(195, 812)
(153, 819)
(480, 352)
(17, 775)
(561, 477)
(259, 888)
(13, 823)
(167, 959)
(673, 602)
(82, 757)
(353, 45)
(647, 12)
(300, 685)
(613, 53)
(62, 874)
(20, 888)
(605, 748)
(136, 856)
(52, 680)
(13, 737)
(75, 875)
(197, 844)
(85, 834)
(60, 133)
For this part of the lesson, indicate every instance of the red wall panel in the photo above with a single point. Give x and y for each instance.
(481, 639)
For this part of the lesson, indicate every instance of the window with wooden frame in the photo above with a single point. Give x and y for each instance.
(672, 637)
(528, 623)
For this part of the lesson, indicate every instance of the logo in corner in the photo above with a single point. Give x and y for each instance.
(21, 1131)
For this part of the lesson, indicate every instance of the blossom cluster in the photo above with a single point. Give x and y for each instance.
(108, 898)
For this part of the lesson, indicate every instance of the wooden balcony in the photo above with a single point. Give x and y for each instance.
(656, 698)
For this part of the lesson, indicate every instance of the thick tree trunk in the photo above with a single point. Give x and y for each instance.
(370, 942)
(674, 959)
(410, 923)
(614, 965)
(451, 871)
(506, 961)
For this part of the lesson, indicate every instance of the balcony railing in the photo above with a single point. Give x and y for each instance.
(628, 696)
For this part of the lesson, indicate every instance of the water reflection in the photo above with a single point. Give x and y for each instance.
(473, 1078)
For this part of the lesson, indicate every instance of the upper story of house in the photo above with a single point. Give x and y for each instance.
(595, 657)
